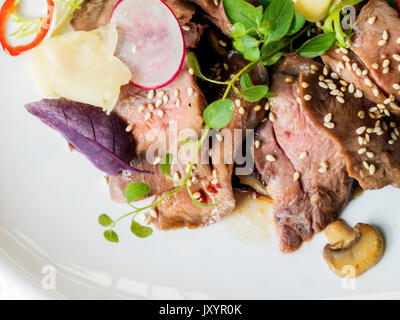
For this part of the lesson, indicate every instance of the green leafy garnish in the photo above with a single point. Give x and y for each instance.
(219, 113)
(136, 190)
(255, 93)
(105, 220)
(166, 162)
(317, 46)
(140, 231)
(111, 236)
(279, 16)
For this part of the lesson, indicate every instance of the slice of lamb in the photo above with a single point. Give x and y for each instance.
(376, 41)
(215, 188)
(365, 134)
(316, 158)
(96, 13)
(344, 64)
(292, 207)
(158, 119)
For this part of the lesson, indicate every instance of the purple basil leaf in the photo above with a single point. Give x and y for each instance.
(100, 137)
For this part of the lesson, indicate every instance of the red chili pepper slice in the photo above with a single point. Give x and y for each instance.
(9, 8)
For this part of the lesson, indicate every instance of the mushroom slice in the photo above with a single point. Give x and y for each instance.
(351, 252)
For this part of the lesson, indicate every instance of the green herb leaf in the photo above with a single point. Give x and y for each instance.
(273, 47)
(255, 93)
(136, 190)
(105, 220)
(298, 23)
(270, 95)
(241, 11)
(194, 64)
(165, 164)
(252, 54)
(219, 113)
(140, 231)
(272, 59)
(238, 30)
(317, 45)
(111, 236)
(280, 14)
(203, 205)
(245, 81)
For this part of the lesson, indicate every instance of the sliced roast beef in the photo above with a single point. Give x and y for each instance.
(372, 63)
(316, 160)
(96, 13)
(377, 44)
(292, 207)
(366, 132)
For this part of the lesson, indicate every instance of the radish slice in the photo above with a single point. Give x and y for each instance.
(150, 43)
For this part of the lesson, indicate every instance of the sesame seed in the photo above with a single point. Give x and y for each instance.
(222, 43)
(362, 150)
(186, 28)
(242, 110)
(257, 108)
(346, 58)
(386, 70)
(141, 108)
(214, 181)
(190, 91)
(267, 106)
(153, 213)
(176, 176)
(216, 3)
(354, 66)
(372, 20)
(384, 56)
(296, 176)
(366, 165)
(314, 67)
(368, 82)
(385, 63)
(375, 66)
(391, 141)
(325, 71)
(364, 72)
(385, 35)
(340, 99)
(375, 91)
(398, 40)
(321, 77)
(176, 93)
(272, 117)
(289, 80)
(305, 85)
(360, 141)
(382, 42)
(129, 128)
(367, 137)
(370, 155)
(196, 195)
(372, 169)
(396, 57)
(238, 103)
(361, 130)
(151, 94)
(307, 97)
(396, 132)
(328, 117)
(219, 137)
(160, 94)
(178, 102)
(270, 158)
(191, 71)
(393, 136)
(332, 86)
(361, 114)
(323, 85)
(303, 155)
(158, 103)
(257, 144)
(396, 86)
(373, 109)
(329, 125)
(351, 88)
(165, 99)
(195, 180)
(358, 94)
(322, 170)
(160, 113)
(348, 66)
(334, 75)
(340, 65)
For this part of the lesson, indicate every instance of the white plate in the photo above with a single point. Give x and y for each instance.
(51, 198)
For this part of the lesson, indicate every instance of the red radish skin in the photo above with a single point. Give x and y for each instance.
(142, 71)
